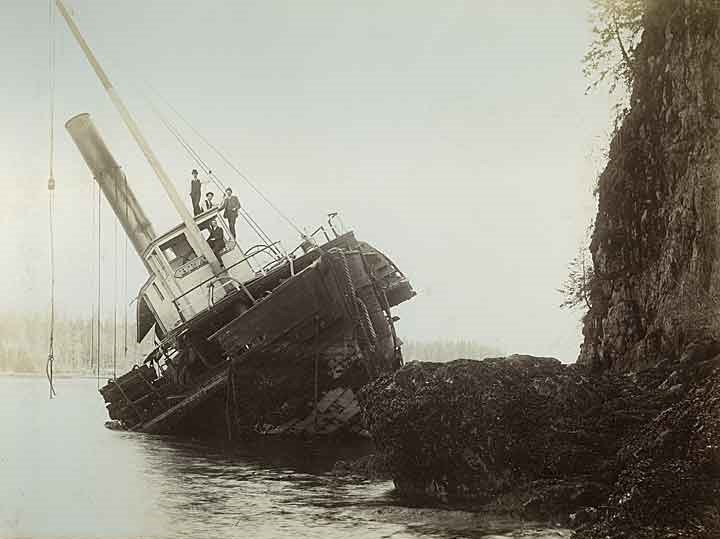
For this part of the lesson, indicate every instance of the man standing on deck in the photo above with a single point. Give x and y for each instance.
(216, 240)
(195, 193)
(231, 205)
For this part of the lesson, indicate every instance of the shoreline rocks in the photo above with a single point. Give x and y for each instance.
(371, 467)
(613, 455)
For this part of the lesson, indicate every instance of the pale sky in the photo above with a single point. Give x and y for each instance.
(454, 136)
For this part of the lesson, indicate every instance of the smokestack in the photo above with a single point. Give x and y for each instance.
(112, 181)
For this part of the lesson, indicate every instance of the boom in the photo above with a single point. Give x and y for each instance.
(194, 237)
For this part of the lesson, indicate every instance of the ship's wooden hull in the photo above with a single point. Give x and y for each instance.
(289, 364)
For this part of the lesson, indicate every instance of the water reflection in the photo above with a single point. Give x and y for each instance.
(63, 475)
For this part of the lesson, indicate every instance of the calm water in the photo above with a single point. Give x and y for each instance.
(62, 474)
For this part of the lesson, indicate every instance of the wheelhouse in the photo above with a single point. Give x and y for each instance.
(182, 283)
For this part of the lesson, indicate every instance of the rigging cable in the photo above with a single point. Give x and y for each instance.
(99, 275)
(233, 167)
(51, 203)
(206, 169)
(93, 305)
(125, 278)
(115, 287)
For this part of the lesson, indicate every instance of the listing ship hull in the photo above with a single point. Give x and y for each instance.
(245, 345)
(289, 363)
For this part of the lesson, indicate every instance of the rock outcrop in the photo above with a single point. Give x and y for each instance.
(617, 455)
(471, 430)
(656, 235)
(625, 444)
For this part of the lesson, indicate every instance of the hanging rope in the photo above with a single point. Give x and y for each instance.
(51, 203)
(99, 297)
(93, 306)
(115, 287)
(125, 278)
(232, 166)
(51, 350)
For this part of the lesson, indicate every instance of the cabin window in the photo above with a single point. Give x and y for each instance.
(157, 291)
(178, 251)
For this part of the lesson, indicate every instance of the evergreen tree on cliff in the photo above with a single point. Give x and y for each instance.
(656, 284)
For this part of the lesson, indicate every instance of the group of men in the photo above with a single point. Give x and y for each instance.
(230, 206)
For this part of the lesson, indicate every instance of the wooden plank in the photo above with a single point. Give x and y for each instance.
(170, 417)
(329, 397)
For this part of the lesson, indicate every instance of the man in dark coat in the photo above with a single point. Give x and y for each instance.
(216, 240)
(231, 206)
(195, 193)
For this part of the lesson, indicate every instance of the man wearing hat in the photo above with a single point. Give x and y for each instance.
(195, 193)
(216, 240)
(230, 207)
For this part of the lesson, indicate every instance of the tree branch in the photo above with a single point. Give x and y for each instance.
(625, 54)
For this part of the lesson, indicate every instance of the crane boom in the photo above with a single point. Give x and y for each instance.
(194, 236)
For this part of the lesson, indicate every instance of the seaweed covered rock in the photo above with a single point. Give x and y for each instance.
(472, 429)
(371, 466)
(668, 481)
(539, 439)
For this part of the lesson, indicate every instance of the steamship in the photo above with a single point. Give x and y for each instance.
(250, 339)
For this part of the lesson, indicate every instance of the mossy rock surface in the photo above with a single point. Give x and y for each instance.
(539, 439)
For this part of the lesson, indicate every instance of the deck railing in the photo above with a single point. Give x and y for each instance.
(280, 258)
(224, 280)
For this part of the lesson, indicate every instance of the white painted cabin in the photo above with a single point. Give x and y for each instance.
(182, 283)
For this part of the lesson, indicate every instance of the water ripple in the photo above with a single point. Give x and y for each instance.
(63, 476)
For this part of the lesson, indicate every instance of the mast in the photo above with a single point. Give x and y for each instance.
(194, 236)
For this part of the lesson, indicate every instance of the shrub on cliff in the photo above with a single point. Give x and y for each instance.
(616, 27)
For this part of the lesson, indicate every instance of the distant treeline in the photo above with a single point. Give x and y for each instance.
(442, 351)
(24, 345)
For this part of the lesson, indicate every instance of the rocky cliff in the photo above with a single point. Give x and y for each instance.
(656, 236)
(625, 444)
